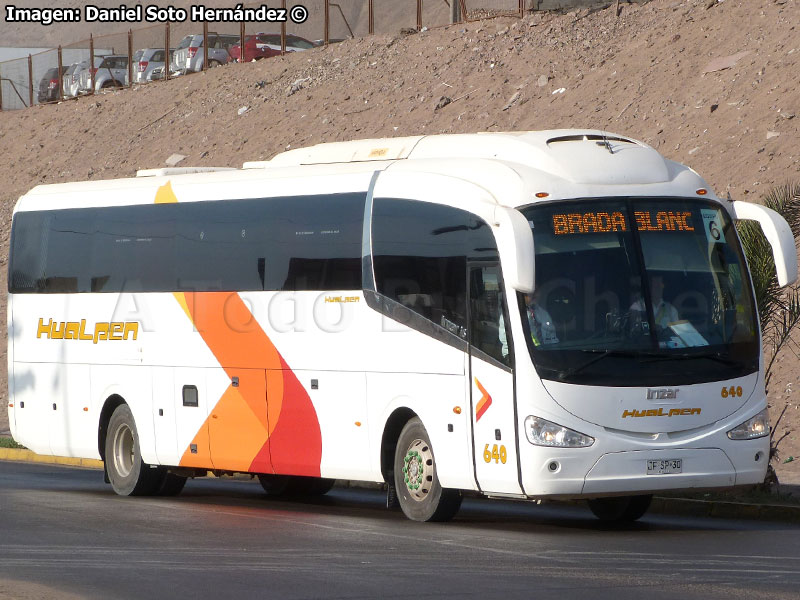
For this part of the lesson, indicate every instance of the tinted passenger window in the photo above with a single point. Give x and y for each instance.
(131, 249)
(419, 254)
(297, 243)
(315, 243)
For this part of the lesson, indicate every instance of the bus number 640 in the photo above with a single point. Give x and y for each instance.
(498, 455)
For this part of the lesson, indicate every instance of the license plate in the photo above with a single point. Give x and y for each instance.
(664, 467)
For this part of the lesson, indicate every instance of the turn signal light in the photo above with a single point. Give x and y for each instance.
(457, 410)
(542, 194)
(701, 192)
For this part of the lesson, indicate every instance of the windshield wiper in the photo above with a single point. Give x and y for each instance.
(600, 355)
(715, 356)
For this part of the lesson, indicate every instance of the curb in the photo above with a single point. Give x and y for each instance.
(668, 506)
(725, 510)
(19, 455)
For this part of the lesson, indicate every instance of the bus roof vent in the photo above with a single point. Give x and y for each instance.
(179, 171)
(385, 149)
(589, 137)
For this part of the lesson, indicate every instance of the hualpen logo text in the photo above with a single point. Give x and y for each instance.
(76, 330)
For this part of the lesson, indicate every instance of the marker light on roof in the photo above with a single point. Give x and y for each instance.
(542, 194)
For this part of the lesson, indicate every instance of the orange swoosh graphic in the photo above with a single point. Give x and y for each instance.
(484, 403)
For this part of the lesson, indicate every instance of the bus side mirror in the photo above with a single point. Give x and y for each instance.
(515, 243)
(778, 234)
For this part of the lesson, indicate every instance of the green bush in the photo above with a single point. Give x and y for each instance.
(7, 442)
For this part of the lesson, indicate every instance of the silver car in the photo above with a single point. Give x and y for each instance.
(84, 75)
(112, 72)
(69, 82)
(145, 61)
(188, 56)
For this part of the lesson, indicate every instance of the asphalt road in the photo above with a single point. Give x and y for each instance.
(64, 534)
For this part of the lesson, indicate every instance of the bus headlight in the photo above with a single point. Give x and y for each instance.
(751, 429)
(542, 432)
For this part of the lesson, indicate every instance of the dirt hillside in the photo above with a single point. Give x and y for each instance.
(651, 73)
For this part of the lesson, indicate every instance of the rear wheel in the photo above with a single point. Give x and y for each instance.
(419, 492)
(620, 509)
(295, 485)
(128, 474)
(213, 63)
(170, 484)
(309, 486)
(274, 485)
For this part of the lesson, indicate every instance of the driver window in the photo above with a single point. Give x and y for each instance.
(488, 326)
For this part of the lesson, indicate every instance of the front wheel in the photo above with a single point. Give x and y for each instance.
(128, 474)
(620, 509)
(419, 492)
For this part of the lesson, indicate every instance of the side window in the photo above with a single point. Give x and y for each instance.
(314, 242)
(27, 253)
(287, 243)
(48, 251)
(488, 321)
(488, 312)
(221, 246)
(132, 249)
(419, 257)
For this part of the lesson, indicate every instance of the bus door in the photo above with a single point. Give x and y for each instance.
(492, 400)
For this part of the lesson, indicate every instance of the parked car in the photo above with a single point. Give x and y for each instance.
(85, 76)
(294, 43)
(157, 73)
(255, 47)
(330, 41)
(112, 72)
(67, 79)
(188, 55)
(146, 61)
(48, 86)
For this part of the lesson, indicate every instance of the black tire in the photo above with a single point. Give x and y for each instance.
(214, 63)
(419, 492)
(620, 509)
(309, 486)
(170, 484)
(128, 474)
(274, 485)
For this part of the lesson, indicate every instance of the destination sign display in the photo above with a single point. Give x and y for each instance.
(608, 222)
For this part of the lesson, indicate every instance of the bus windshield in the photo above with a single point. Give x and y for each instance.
(638, 291)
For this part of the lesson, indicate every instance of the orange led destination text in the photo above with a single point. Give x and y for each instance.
(590, 222)
(605, 222)
(664, 221)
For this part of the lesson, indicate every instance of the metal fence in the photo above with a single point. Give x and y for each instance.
(57, 74)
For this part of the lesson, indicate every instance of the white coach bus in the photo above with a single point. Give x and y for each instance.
(561, 314)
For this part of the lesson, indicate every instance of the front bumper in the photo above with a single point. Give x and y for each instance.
(575, 472)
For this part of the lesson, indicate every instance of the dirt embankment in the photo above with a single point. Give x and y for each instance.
(717, 88)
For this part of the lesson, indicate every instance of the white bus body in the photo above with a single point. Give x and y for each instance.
(346, 310)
